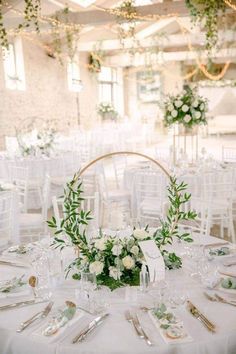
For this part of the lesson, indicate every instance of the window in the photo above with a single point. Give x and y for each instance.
(14, 66)
(108, 85)
(74, 82)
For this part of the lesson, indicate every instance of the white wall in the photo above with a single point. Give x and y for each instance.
(46, 95)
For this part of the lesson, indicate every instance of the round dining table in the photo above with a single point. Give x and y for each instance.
(116, 335)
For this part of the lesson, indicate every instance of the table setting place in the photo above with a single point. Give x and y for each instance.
(177, 310)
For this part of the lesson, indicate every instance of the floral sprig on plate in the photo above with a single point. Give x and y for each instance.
(165, 318)
(187, 108)
(12, 284)
(223, 251)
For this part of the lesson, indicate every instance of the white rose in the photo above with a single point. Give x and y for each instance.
(116, 250)
(185, 108)
(195, 104)
(100, 244)
(174, 113)
(178, 103)
(202, 107)
(128, 262)
(96, 267)
(84, 260)
(184, 92)
(140, 234)
(198, 115)
(187, 118)
(135, 250)
(114, 273)
(170, 107)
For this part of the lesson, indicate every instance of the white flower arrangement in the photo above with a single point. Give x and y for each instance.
(36, 143)
(187, 108)
(106, 107)
(115, 262)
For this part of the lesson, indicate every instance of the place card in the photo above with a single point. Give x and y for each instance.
(154, 259)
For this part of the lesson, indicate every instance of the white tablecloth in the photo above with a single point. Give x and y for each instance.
(116, 335)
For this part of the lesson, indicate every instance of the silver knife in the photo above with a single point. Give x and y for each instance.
(38, 315)
(91, 326)
(21, 303)
(14, 264)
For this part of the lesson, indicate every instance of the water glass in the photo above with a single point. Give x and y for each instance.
(41, 271)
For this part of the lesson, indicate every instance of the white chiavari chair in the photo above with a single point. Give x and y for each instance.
(214, 204)
(228, 154)
(119, 165)
(19, 176)
(6, 218)
(89, 203)
(112, 198)
(149, 190)
(35, 223)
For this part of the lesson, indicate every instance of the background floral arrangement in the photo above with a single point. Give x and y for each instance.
(37, 143)
(105, 108)
(116, 261)
(187, 108)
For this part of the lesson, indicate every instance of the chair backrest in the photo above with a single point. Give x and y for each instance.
(119, 165)
(72, 163)
(19, 176)
(150, 193)
(46, 196)
(215, 191)
(228, 154)
(6, 217)
(90, 203)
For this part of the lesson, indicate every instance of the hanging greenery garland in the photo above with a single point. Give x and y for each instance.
(64, 43)
(31, 14)
(209, 14)
(3, 33)
(126, 19)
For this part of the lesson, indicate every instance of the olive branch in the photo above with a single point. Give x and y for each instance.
(72, 230)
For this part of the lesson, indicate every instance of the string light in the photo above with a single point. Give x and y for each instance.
(229, 3)
(118, 12)
(201, 66)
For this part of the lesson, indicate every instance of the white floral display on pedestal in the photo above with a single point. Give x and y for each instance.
(186, 108)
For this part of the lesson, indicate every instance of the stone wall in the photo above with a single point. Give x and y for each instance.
(46, 96)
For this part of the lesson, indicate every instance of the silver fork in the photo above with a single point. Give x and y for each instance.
(217, 298)
(137, 322)
(130, 319)
(221, 299)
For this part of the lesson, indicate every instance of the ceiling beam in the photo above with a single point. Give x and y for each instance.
(124, 60)
(164, 42)
(101, 16)
(154, 28)
(13, 3)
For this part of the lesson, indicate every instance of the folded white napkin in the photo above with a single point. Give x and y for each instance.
(15, 293)
(38, 333)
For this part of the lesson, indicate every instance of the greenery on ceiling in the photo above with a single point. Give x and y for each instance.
(31, 16)
(126, 20)
(65, 40)
(209, 14)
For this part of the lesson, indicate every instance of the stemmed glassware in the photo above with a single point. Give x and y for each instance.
(88, 285)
